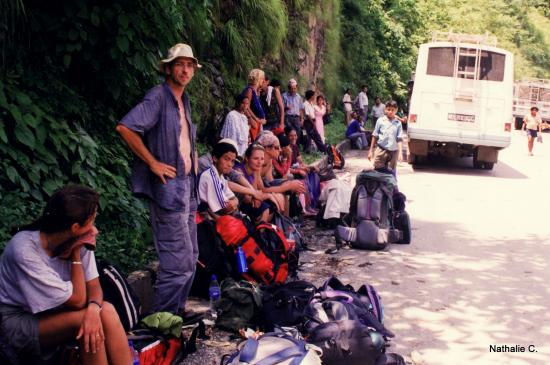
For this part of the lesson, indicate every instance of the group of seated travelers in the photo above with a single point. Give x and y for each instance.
(49, 287)
(256, 167)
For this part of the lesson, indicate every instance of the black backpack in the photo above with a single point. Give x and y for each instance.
(214, 259)
(117, 292)
(401, 220)
(285, 305)
(346, 324)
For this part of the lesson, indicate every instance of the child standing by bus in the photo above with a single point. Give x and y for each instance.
(387, 135)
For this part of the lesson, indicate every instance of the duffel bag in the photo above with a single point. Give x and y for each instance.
(274, 349)
(285, 305)
(239, 305)
(347, 342)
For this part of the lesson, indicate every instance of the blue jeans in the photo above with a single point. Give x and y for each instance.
(361, 138)
(175, 238)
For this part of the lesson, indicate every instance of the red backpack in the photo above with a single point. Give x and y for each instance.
(266, 249)
(335, 157)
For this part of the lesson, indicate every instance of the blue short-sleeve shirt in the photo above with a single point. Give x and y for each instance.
(157, 120)
(388, 133)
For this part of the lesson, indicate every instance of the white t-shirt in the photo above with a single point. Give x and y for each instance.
(309, 110)
(31, 279)
(347, 102)
(363, 100)
(378, 110)
(236, 127)
(532, 122)
(213, 189)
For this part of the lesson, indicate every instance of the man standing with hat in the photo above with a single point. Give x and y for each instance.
(160, 133)
(533, 123)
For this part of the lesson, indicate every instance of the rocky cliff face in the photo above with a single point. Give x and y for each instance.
(312, 59)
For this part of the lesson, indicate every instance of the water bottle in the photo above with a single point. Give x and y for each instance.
(214, 293)
(291, 239)
(241, 260)
(135, 354)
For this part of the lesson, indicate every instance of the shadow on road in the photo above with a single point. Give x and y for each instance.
(452, 303)
(463, 166)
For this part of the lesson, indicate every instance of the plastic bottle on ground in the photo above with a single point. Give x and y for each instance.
(214, 294)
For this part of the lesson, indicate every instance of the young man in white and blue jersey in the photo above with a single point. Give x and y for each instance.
(213, 188)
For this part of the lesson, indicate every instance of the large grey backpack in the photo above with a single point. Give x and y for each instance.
(371, 212)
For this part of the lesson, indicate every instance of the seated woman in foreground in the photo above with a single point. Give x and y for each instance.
(49, 286)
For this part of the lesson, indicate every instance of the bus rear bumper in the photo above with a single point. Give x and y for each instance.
(498, 141)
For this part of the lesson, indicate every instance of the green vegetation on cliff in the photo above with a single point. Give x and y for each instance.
(70, 70)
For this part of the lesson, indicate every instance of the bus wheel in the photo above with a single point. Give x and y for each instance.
(477, 164)
(488, 165)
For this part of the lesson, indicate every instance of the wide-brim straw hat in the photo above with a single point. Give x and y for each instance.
(179, 50)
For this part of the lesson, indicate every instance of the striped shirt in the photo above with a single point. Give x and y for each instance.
(213, 189)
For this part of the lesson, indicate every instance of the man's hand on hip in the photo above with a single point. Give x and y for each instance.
(163, 170)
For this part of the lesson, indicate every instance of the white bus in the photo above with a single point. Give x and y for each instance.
(529, 93)
(461, 103)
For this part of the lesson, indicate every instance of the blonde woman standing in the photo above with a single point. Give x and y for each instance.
(255, 112)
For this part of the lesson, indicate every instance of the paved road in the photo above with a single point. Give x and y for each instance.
(477, 272)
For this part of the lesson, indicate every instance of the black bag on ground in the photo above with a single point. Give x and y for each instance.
(344, 324)
(117, 292)
(285, 305)
(347, 342)
(401, 220)
(239, 305)
(214, 259)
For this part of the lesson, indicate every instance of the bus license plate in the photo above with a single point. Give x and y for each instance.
(462, 117)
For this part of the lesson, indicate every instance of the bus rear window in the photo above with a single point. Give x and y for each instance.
(491, 66)
(441, 62)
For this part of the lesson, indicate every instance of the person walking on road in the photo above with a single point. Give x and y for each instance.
(533, 123)
(387, 135)
(160, 132)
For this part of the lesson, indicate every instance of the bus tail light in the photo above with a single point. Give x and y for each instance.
(412, 118)
(507, 127)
